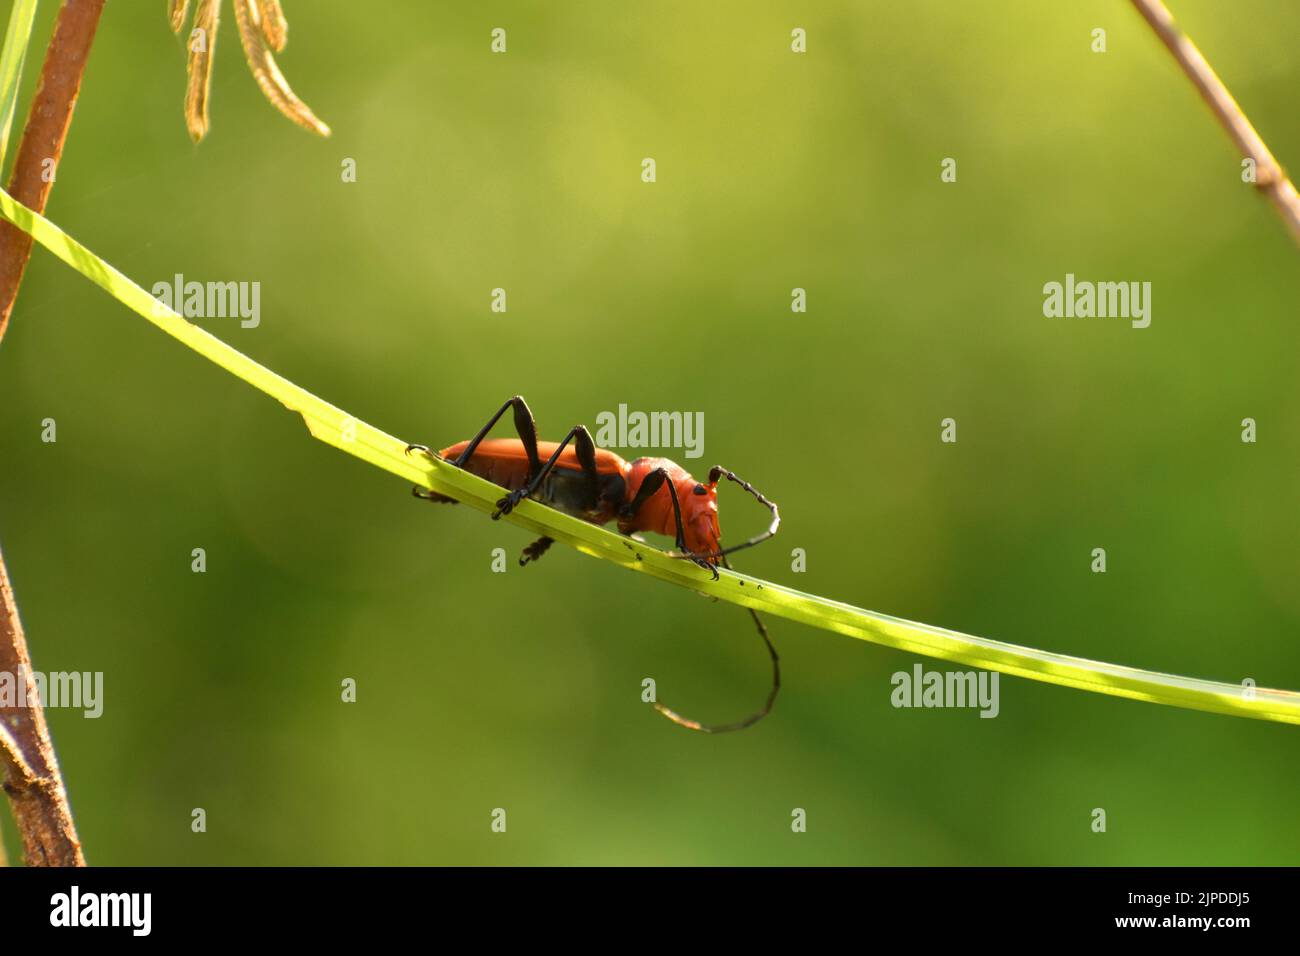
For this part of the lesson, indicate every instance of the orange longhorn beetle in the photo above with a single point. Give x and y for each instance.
(596, 485)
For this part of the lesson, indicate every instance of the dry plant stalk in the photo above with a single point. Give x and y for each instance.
(44, 135)
(1270, 177)
(31, 773)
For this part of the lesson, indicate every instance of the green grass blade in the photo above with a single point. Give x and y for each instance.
(343, 431)
(12, 58)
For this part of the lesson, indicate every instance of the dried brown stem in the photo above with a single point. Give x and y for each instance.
(31, 772)
(1270, 177)
(44, 136)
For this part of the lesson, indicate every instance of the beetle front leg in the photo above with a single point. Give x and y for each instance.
(649, 487)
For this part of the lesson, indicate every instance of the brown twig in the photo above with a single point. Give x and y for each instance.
(31, 771)
(44, 136)
(1270, 177)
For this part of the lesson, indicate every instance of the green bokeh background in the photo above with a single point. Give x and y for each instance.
(521, 690)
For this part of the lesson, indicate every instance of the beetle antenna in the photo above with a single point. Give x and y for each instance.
(752, 719)
(716, 472)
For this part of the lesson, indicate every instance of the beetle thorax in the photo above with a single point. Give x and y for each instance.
(698, 502)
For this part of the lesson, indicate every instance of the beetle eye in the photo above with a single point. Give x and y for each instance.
(701, 490)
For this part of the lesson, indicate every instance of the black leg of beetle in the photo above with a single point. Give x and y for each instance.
(525, 425)
(424, 494)
(586, 451)
(753, 718)
(649, 487)
(535, 550)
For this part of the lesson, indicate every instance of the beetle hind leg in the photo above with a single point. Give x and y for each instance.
(424, 494)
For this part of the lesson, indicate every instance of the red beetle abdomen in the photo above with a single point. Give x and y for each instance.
(501, 461)
(504, 462)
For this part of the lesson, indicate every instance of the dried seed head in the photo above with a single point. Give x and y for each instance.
(268, 75)
(274, 27)
(202, 44)
(176, 13)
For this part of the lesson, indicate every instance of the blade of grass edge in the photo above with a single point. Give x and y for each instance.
(347, 433)
(12, 58)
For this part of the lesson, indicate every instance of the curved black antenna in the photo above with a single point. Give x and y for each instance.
(753, 718)
(714, 473)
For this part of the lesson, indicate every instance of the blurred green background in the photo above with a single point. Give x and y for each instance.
(775, 170)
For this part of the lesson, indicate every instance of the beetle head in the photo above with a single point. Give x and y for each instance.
(699, 506)
(700, 517)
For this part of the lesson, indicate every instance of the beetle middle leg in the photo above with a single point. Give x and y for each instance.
(535, 550)
(584, 447)
(586, 451)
